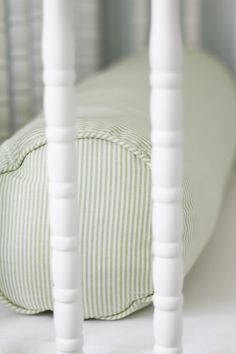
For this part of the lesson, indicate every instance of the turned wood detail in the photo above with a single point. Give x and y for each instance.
(166, 135)
(59, 109)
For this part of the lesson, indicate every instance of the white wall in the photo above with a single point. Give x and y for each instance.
(126, 24)
(219, 34)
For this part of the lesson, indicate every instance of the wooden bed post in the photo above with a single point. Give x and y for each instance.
(59, 109)
(166, 135)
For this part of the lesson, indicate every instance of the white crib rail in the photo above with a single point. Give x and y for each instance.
(59, 109)
(166, 136)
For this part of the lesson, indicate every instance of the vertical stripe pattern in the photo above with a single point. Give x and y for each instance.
(114, 196)
(114, 188)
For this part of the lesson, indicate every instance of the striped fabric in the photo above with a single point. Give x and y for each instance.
(114, 188)
(114, 195)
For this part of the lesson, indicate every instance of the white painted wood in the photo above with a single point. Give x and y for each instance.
(192, 22)
(59, 109)
(166, 136)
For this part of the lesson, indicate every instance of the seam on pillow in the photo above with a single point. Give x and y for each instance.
(121, 139)
(11, 305)
(138, 151)
(134, 306)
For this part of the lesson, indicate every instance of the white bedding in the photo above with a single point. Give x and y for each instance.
(210, 308)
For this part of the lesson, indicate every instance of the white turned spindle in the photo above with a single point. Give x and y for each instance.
(59, 109)
(166, 135)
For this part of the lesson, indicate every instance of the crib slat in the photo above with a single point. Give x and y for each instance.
(59, 109)
(166, 135)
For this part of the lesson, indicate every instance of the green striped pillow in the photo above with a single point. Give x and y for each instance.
(114, 188)
(114, 195)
